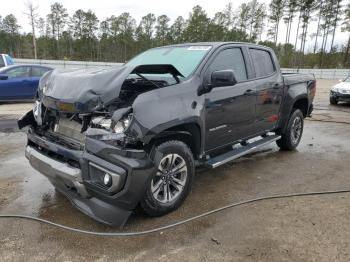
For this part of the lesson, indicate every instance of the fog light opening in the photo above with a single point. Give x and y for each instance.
(107, 180)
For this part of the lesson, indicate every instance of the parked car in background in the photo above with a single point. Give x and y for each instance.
(5, 60)
(20, 82)
(340, 92)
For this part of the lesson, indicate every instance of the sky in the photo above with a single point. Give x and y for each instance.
(139, 8)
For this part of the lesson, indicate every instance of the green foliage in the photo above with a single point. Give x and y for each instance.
(118, 38)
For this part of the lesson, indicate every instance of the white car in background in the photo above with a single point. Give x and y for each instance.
(340, 92)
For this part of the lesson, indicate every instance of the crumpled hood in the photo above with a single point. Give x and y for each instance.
(81, 90)
(84, 91)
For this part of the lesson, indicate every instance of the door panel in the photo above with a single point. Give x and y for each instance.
(230, 114)
(17, 85)
(13, 88)
(269, 86)
(230, 110)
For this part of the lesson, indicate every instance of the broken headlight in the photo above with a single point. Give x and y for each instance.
(102, 122)
(116, 127)
(37, 113)
(123, 124)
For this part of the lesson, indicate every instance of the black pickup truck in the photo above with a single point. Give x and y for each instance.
(116, 138)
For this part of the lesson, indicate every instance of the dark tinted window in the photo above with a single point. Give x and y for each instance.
(229, 59)
(262, 62)
(22, 71)
(38, 71)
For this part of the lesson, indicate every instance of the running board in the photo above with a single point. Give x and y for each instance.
(241, 151)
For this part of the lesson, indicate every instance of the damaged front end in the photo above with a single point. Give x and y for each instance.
(85, 139)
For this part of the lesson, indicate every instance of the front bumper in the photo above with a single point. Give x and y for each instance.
(72, 173)
(340, 96)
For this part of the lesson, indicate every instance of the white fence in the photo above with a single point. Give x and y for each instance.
(66, 64)
(333, 74)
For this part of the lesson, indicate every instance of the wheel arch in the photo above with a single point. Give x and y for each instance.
(300, 102)
(189, 133)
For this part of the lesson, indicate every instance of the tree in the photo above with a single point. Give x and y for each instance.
(229, 16)
(197, 25)
(11, 27)
(336, 17)
(276, 14)
(317, 34)
(162, 29)
(126, 27)
(346, 28)
(118, 39)
(41, 25)
(289, 14)
(242, 14)
(217, 27)
(57, 19)
(326, 20)
(147, 25)
(306, 7)
(76, 23)
(256, 17)
(33, 16)
(177, 29)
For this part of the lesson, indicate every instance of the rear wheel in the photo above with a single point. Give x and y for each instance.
(333, 101)
(172, 180)
(291, 138)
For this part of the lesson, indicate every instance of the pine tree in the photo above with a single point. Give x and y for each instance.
(276, 14)
(346, 28)
(291, 7)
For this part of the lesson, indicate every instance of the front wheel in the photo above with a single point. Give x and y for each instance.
(291, 137)
(171, 182)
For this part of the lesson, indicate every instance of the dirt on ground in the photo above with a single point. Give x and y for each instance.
(309, 228)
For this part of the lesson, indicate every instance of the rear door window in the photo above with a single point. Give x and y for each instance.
(231, 58)
(38, 71)
(262, 61)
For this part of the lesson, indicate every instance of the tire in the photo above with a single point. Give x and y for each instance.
(333, 101)
(291, 137)
(156, 201)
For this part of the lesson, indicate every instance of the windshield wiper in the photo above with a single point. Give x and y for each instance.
(148, 80)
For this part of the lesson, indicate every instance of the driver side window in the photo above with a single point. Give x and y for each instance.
(22, 71)
(231, 58)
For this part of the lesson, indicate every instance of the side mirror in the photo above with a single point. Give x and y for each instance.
(223, 78)
(4, 77)
(218, 78)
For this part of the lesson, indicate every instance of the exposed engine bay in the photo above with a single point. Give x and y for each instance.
(92, 114)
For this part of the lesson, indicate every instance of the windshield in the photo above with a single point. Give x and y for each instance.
(184, 58)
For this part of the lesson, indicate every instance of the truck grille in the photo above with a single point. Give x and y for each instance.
(70, 129)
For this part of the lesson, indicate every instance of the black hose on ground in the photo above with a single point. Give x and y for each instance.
(181, 222)
(332, 110)
(328, 121)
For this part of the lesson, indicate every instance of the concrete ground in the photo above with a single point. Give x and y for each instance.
(313, 228)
